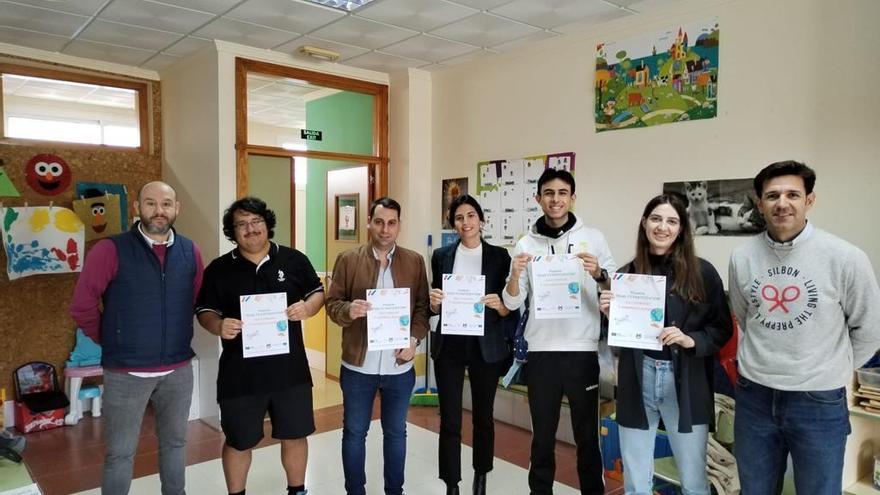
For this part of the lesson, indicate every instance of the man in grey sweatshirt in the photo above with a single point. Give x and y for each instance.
(808, 306)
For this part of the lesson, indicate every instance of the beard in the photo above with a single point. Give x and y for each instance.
(152, 228)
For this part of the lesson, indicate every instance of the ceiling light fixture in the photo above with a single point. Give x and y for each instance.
(319, 53)
(347, 5)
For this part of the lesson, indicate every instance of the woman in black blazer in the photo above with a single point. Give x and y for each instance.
(485, 357)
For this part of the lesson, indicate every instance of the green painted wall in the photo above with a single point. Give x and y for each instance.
(346, 120)
(269, 180)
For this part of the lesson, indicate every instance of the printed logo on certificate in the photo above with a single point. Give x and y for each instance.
(556, 284)
(462, 313)
(388, 320)
(638, 311)
(264, 324)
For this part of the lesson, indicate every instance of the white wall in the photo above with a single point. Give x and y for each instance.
(410, 149)
(190, 124)
(794, 83)
(797, 81)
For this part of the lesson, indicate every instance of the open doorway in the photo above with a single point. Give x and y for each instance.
(312, 145)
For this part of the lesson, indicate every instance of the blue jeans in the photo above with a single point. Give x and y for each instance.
(358, 392)
(125, 399)
(811, 426)
(637, 446)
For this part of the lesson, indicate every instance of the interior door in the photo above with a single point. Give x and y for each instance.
(347, 203)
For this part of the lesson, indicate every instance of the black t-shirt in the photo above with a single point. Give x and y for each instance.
(232, 275)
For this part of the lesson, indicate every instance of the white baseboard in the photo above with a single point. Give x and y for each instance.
(317, 359)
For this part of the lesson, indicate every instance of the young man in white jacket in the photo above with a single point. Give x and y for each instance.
(562, 352)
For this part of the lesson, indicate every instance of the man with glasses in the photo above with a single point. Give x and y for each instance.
(249, 387)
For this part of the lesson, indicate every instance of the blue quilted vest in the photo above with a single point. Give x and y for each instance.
(148, 311)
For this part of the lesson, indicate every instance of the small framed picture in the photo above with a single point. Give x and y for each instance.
(346, 217)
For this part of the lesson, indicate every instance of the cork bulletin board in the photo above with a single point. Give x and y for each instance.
(34, 321)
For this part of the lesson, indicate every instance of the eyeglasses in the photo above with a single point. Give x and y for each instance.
(253, 224)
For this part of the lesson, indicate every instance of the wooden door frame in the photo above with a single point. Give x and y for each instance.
(377, 163)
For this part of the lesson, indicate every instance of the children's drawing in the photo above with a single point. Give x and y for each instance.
(42, 240)
(100, 215)
(667, 76)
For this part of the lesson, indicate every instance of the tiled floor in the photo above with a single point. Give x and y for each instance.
(324, 476)
(325, 392)
(68, 460)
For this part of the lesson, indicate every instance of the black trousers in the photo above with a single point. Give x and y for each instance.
(549, 376)
(450, 382)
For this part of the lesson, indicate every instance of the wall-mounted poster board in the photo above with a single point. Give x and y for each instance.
(506, 190)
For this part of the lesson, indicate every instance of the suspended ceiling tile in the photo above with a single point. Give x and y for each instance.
(245, 33)
(484, 30)
(363, 32)
(289, 15)
(212, 6)
(588, 23)
(40, 20)
(108, 52)
(383, 62)
(160, 61)
(32, 39)
(345, 51)
(419, 15)
(630, 3)
(553, 13)
(532, 38)
(430, 48)
(81, 7)
(125, 35)
(155, 15)
(187, 46)
(482, 4)
(463, 59)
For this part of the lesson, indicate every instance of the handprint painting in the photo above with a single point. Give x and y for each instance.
(42, 240)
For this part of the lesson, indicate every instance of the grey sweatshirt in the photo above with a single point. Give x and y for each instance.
(808, 310)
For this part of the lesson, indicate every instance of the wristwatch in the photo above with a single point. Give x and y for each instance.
(603, 277)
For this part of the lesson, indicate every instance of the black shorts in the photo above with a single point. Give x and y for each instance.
(290, 411)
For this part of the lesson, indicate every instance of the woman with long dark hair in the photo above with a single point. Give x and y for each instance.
(485, 358)
(674, 383)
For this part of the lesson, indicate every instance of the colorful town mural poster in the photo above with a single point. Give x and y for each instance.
(669, 76)
(42, 239)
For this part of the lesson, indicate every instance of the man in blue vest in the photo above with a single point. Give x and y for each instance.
(147, 280)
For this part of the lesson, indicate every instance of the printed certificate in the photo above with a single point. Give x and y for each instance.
(637, 311)
(462, 313)
(389, 319)
(264, 324)
(556, 284)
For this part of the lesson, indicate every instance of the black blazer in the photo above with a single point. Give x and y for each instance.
(710, 325)
(496, 265)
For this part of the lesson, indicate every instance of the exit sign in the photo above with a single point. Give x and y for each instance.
(310, 135)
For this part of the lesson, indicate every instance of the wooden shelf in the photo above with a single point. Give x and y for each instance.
(855, 411)
(864, 486)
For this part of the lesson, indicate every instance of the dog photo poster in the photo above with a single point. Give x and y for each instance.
(726, 207)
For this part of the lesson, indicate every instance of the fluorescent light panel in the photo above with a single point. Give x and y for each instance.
(346, 5)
